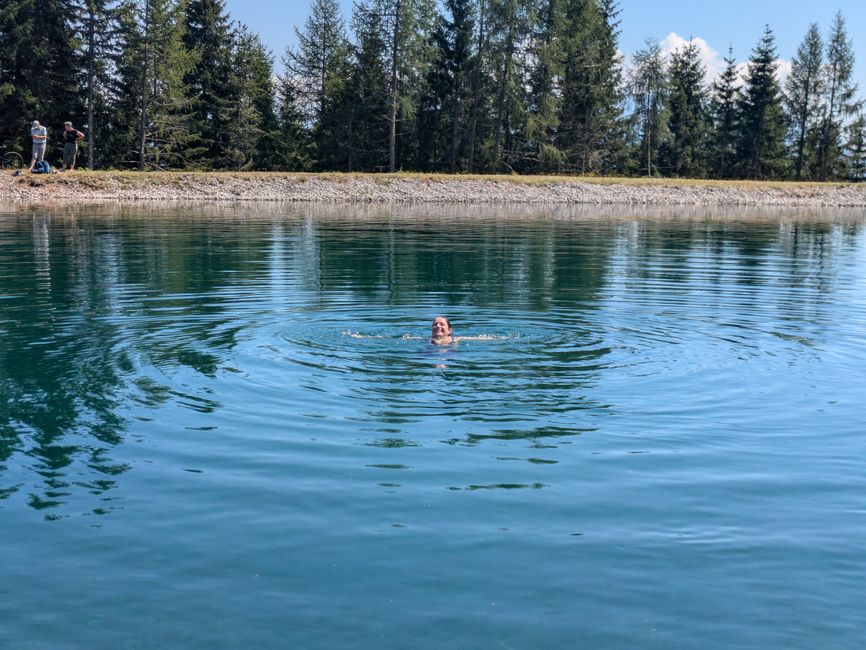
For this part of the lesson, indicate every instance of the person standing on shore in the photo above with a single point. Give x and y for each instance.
(40, 136)
(71, 138)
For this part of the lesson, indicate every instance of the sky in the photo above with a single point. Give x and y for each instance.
(714, 26)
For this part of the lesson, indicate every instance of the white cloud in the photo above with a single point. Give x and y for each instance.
(713, 60)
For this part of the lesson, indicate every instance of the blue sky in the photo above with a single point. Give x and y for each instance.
(736, 23)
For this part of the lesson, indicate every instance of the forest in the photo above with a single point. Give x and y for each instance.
(457, 86)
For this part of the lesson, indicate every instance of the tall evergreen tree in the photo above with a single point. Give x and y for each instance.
(368, 94)
(590, 90)
(322, 48)
(543, 100)
(40, 70)
(208, 35)
(159, 63)
(724, 105)
(687, 114)
(245, 106)
(761, 143)
(293, 151)
(648, 89)
(509, 29)
(839, 99)
(97, 22)
(803, 92)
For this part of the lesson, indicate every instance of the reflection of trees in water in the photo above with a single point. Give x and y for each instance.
(99, 299)
(91, 302)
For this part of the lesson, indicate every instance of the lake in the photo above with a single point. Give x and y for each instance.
(224, 426)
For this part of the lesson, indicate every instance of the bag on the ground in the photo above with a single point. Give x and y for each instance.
(42, 167)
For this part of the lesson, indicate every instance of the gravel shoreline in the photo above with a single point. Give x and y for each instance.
(100, 187)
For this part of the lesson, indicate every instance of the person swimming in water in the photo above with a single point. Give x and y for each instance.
(441, 333)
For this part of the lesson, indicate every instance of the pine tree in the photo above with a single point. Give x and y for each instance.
(509, 28)
(648, 89)
(761, 142)
(539, 147)
(164, 100)
(687, 117)
(803, 92)
(294, 146)
(97, 22)
(368, 94)
(839, 99)
(41, 70)
(322, 47)
(591, 94)
(245, 97)
(724, 115)
(209, 36)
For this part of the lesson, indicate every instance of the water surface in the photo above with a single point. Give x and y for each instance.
(224, 427)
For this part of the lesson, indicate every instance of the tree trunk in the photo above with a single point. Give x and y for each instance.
(392, 118)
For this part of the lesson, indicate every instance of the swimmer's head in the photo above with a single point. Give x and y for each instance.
(441, 328)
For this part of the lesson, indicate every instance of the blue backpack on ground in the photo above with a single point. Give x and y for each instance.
(42, 167)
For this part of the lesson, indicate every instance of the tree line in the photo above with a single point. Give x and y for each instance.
(485, 86)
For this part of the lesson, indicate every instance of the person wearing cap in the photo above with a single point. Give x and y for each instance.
(71, 138)
(40, 136)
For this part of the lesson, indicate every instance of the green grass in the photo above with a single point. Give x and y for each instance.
(104, 179)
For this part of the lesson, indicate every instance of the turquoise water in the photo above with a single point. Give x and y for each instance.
(224, 428)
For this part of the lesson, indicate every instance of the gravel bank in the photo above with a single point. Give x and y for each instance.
(388, 190)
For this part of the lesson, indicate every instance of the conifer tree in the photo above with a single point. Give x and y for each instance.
(509, 28)
(543, 101)
(97, 22)
(591, 93)
(245, 101)
(803, 92)
(163, 98)
(322, 50)
(687, 114)
(724, 116)
(41, 70)
(648, 89)
(839, 99)
(209, 36)
(761, 142)
(293, 151)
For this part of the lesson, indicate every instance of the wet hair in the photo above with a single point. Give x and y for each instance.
(447, 322)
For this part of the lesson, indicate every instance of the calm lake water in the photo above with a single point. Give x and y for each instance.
(662, 447)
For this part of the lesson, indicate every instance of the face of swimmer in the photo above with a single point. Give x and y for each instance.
(441, 328)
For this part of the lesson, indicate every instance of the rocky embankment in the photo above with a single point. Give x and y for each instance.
(129, 187)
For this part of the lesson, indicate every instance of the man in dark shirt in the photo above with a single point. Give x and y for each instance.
(71, 138)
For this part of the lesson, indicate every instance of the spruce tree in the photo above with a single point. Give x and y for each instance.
(41, 73)
(209, 36)
(762, 124)
(687, 114)
(97, 22)
(322, 49)
(591, 85)
(539, 148)
(158, 63)
(509, 28)
(246, 93)
(839, 99)
(803, 92)
(724, 104)
(648, 86)
(293, 151)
